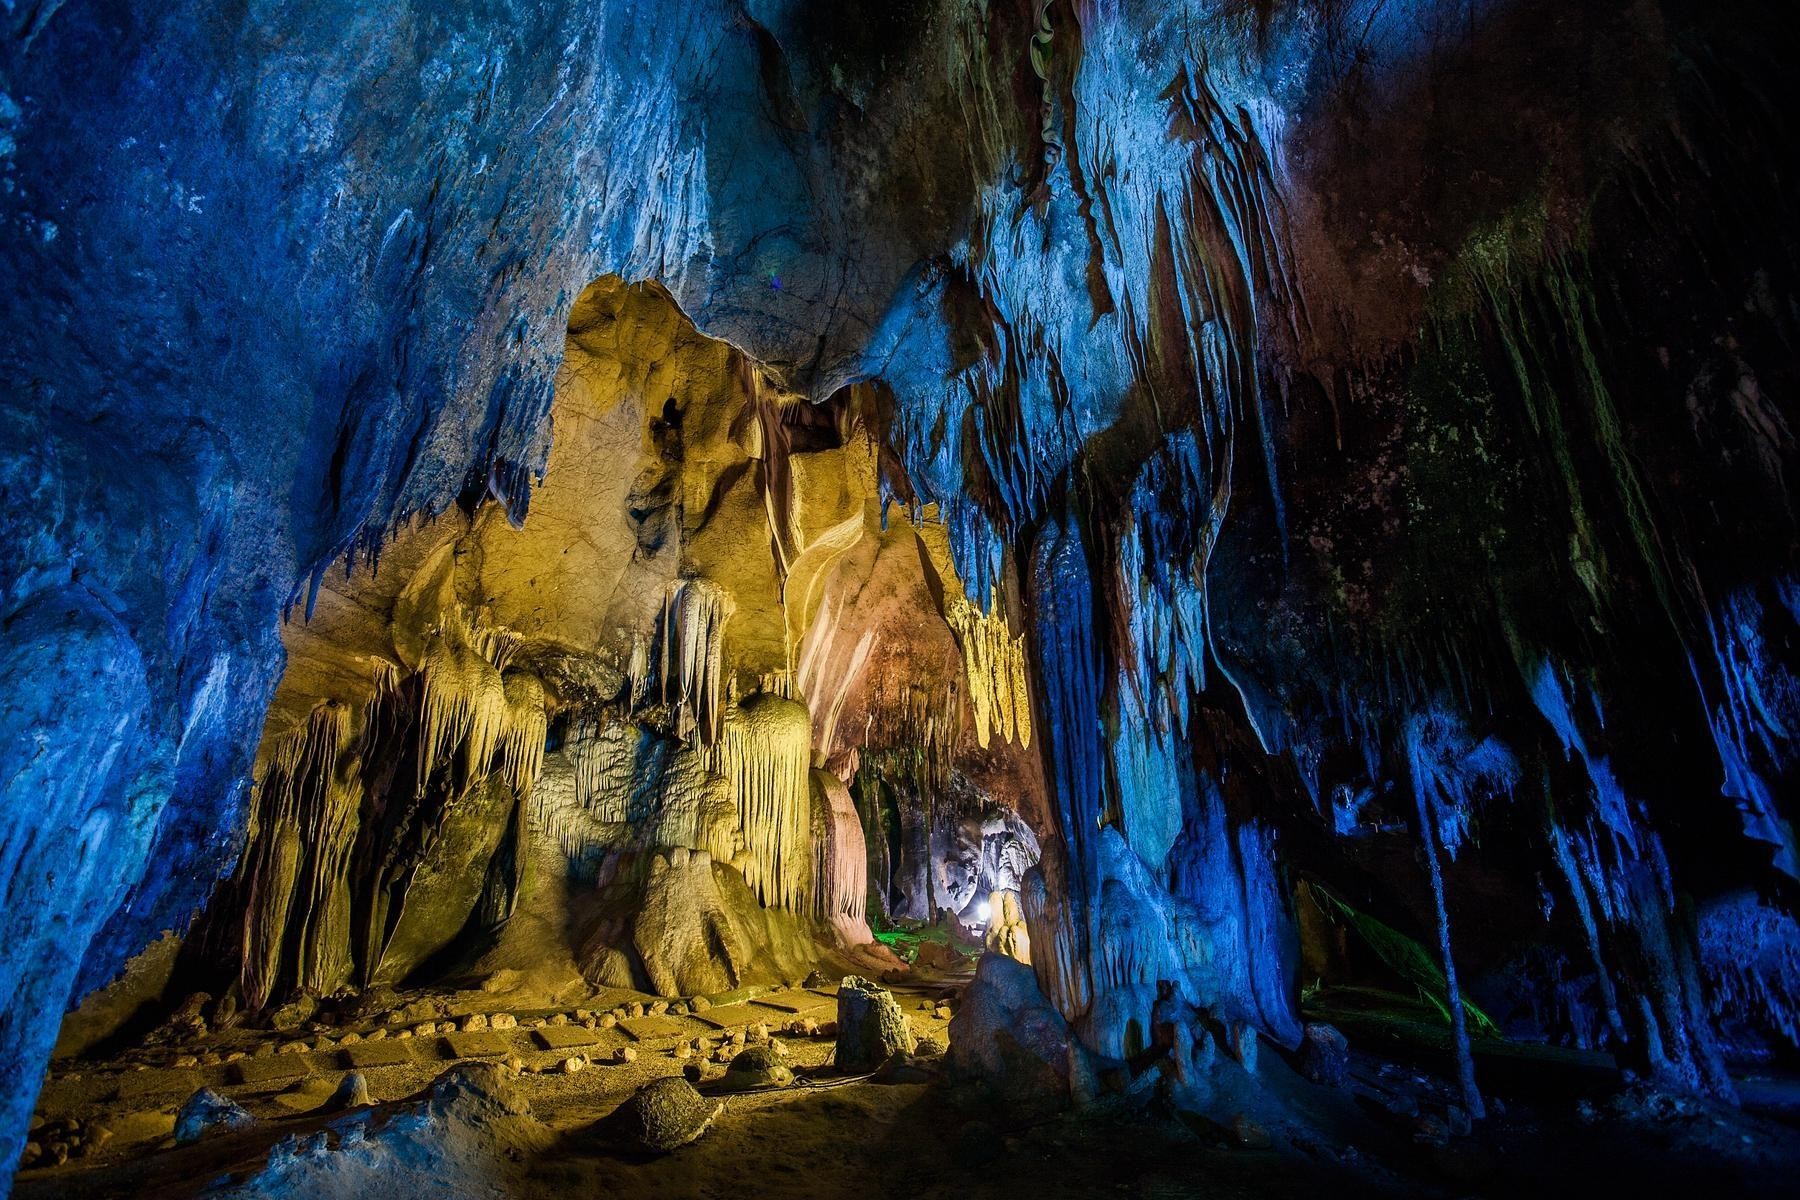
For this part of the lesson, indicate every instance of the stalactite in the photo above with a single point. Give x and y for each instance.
(1430, 783)
(994, 664)
(522, 731)
(463, 707)
(295, 895)
(637, 673)
(695, 613)
(764, 752)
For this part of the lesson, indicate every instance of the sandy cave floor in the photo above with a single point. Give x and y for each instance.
(835, 1137)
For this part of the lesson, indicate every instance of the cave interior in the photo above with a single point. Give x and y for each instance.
(899, 598)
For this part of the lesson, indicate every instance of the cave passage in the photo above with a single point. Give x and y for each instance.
(945, 599)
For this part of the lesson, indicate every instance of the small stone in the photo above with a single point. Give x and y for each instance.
(658, 1008)
(513, 1063)
(700, 1004)
(352, 1092)
(1324, 1056)
(624, 1054)
(590, 1022)
(59, 1152)
(33, 1152)
(635, 1009)
(374, 1035)
(503, 1021)
(403, 1034)
(758, 1067)
(350, 1039)
(474, 1022)
(235, 1056)
(446, 1026)
(661, 1116)
(682, 1051)
(425, 1029)
(572, 1066)
(693, 1072)
(942, 1012)
(184, 1061)
(205, 1111)
(292, 1016)
(901, 1068)
(558, 1019)
(608, 1021)
(757, 1033)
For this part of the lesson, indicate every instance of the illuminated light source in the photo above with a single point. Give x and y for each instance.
(983, 911)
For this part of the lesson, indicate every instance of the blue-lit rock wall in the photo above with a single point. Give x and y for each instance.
(1382, 415)
(278, 277)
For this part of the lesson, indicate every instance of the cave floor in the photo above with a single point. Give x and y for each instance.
(852, 1136)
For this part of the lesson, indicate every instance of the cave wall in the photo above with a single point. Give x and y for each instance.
(1374, 418)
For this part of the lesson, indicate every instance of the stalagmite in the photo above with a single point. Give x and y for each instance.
(1007, 933)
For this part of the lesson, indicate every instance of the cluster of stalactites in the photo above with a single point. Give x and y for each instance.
(694, 615)
(297, 910)
(307, 810)
(463, 706)
(523, 731)
(840, 862)
(994, 661)
(920, 723)
(764, 753)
